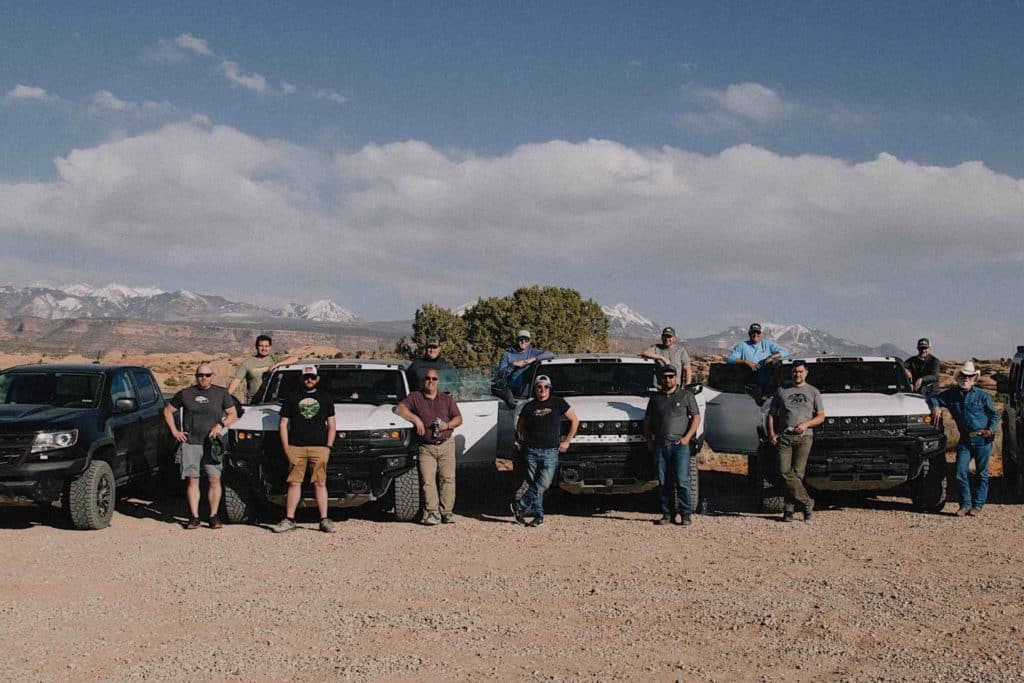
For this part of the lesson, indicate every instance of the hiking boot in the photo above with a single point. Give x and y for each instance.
(448, 518)
(787, 516)
(517, 513)
(974, 512)
(193, 523)
(537, 521)
(808, 511)
(215, 522)
(327, 526)
(431, 519)
(687, 520)
(963, 511)
(284, 525)
(664, 519)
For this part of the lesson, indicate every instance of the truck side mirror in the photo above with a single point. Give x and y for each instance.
(695, 387)
(125, 405)
(1002, 382)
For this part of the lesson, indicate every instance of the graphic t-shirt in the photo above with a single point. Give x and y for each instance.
(792, 405)
(542, 422)
(251, 371)
(307, 413)
(203, 409)
(669, 415)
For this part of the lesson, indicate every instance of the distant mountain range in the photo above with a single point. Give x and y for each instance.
(148, 303)
(797, 339)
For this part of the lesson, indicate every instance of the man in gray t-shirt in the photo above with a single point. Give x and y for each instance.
(668, 352)
(794, 413)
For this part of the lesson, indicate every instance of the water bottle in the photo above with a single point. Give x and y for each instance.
(704, 506)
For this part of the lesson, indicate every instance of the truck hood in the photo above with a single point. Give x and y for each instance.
(854, 405)
(347, 416)
(608, 408)
(36, 414)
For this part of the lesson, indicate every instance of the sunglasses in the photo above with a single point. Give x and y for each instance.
(543, 386)
(306, 378)
(522, 339)
(204, 374)
(665, 378)
(430, 379)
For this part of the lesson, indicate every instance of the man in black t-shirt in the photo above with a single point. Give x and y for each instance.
(670, 423)
(924, 368)
(307, 435)
(207, 410)
(539, 430)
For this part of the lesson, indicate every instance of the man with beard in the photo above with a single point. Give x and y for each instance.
(795, 411)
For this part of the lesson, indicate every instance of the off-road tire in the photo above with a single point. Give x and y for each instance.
(90, 498)
(237, 502)
(928, 491)
(769, 497)
(1012, 474)
(694, 480)
(408, 500)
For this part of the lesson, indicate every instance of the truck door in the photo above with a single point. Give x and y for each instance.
(155, 436)
(125, 427)
(476, 441)
(732, 416)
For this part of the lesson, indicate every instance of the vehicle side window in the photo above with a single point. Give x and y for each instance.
(730, 379)
(121, 387)
(147, 390)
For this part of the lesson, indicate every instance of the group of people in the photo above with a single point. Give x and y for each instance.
(672, 418)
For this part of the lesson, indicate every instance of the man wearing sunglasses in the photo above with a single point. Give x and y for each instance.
(307, 435)
(512, 369)
(435, 416)
(670, 423)
(207, 411)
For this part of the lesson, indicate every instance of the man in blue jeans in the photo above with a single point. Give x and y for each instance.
(977, 421)
(540, 432)
(670, 423)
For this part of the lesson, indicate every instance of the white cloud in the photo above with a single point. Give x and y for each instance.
(28, 93)
(750, 101)
(104, 101)
(287, 88)
(233, 73)
(187, 41)
(330, 96)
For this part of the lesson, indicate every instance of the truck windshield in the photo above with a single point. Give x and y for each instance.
(346, 385)
(59, 389)
(600, 379)
(856, 377)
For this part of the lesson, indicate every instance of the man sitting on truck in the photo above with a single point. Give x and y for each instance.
(512, 369)
(924, 368)
(758, 354)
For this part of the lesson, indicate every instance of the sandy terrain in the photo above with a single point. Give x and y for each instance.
(869, 591)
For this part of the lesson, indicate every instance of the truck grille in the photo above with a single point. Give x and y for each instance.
(13, 447)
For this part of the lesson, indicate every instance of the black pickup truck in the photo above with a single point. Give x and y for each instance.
(77, 434)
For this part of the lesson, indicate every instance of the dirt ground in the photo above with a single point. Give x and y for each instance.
(870, 591)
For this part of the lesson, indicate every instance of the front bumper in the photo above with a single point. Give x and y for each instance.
(851, 463)
(620, 468)
(40, 477)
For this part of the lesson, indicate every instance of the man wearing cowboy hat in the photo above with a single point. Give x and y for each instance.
(977, 421)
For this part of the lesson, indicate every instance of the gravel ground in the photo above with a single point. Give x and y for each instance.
(871, 591)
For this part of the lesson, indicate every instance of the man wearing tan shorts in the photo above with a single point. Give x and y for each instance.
(307, 435)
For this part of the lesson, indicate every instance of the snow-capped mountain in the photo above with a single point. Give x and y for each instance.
(796, 338)
(623, 321)
(150, 303)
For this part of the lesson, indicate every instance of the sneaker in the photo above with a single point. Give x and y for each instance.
(787, 516)
(193, 523)
(974, 512)
(537, 521)
(963, 511)
(687, 520)
(808, 511)
(448, 518)
(284, 525)
(509, 399)
(327, 526)
(517, 513)
(664, 519)
(215, 522)
(431, 519)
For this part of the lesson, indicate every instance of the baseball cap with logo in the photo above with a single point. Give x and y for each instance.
(664, 370)
(668, 332)
(754, 327)
(923, 343)
(308, 370)
(433, 341)
(542, 379)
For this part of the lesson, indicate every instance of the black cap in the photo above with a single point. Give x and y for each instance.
(799, 363)
(923, 343)
(666, 370)
(434, 341)
(668, 331)
(754, 327)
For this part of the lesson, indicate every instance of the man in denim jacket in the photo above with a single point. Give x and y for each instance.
(977, 420)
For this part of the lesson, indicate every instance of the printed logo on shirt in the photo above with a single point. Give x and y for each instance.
(541, 412)
(797, 398)
(309, 407)
(202, 399)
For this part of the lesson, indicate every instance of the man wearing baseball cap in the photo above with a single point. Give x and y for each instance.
(977, 421)
(540, 433)
(671, 420)
(757, 353)
(796, 409)
(667, 352)
(430, 360)
(511, 374)
(924, 368)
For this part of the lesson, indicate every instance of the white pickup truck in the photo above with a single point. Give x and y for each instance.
(878, 435)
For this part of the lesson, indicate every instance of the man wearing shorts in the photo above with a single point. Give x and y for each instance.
(207, 410)
(307, 436)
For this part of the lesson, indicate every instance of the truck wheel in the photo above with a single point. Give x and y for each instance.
(1011, 456)
(238, 502)
(768, 499)
(929, 490)
(694, 481)
(408, 506)
(91, 497)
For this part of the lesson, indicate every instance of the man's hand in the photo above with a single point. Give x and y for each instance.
(937, 415)
(418, 423)
(987, 433)
(770, 359)
(774, 439)
(217, 431)
(800, 428)
(563, 446)
(917, 385)
(180, 437)
(650, 445)
(683, 441)
(752, 365)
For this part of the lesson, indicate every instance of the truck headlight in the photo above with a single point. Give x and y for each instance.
(919, 419)
(53, 441)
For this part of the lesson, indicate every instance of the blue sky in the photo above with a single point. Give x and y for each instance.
(856, 168)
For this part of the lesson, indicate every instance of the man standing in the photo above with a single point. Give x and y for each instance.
(795, 411)
(435, 416)
(977, 421)
(307, 435)
(514, 363)
(539, 430)
(924, 368)
(669, 353)
(207, 411)
(671, 420)
(252, 369)
(757, 353)
(431, 360)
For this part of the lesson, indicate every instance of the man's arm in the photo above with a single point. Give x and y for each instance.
(505, 365)
(651, 353)
(819, 416)
(574, 423)
(647, 433)
(283, 428)
(284, 361)
(233, 385)
(402, 410)
(775, 352)
(169, 411)
(993, 416)
(332, 431)
(692, 429)
(454, 417)
(736, 356)
(688, 373)
(542, 355)
(221, 426)
(772, 436)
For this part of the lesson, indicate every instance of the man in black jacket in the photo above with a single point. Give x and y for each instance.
(430, 360)
(923, 369)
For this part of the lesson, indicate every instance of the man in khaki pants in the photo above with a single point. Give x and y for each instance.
(435, 416)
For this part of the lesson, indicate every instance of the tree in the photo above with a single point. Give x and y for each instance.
(436, 322)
